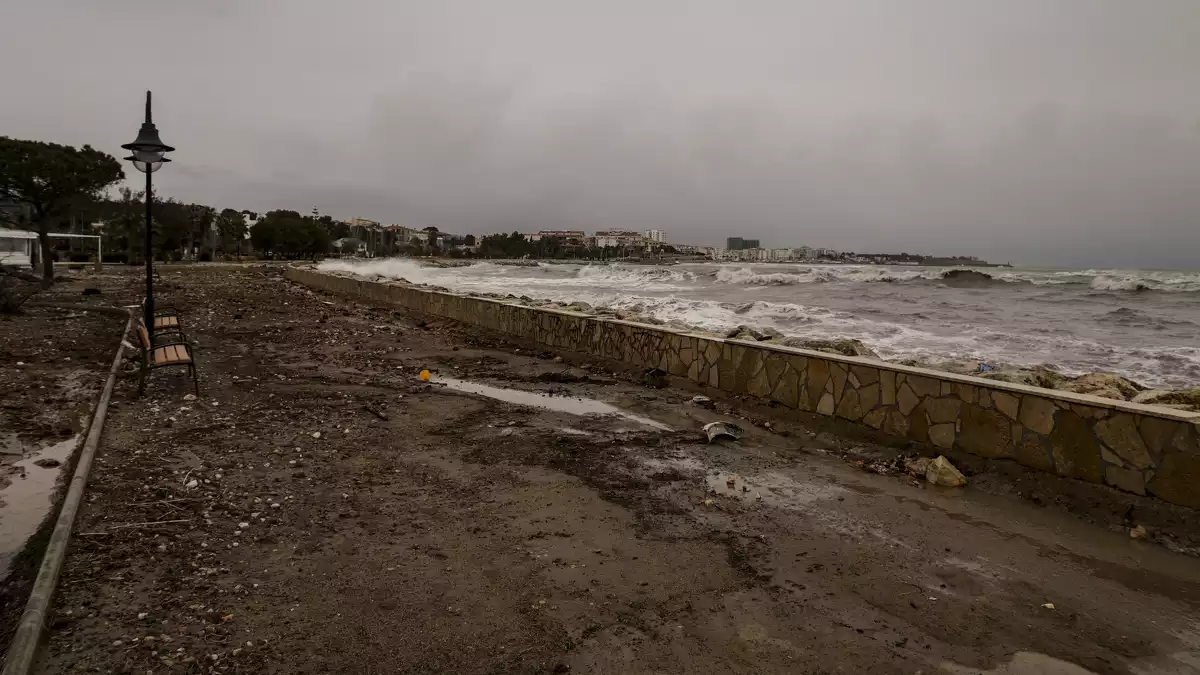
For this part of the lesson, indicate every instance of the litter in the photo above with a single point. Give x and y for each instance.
(717, 430)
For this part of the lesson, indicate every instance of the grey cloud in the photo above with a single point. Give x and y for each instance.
(1056, 133)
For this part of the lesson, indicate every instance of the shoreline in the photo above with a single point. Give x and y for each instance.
(1105, 384)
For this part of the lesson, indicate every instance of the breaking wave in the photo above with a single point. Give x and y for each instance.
(817, 275)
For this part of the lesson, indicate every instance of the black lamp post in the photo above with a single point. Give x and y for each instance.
(149, 154)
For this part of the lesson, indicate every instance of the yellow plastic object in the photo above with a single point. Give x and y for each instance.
(424, 376)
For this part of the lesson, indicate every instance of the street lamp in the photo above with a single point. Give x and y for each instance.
(149, 154)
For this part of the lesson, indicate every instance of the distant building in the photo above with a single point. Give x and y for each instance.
(568, 236)
(656, 236)
(619, 239)
(739, 244)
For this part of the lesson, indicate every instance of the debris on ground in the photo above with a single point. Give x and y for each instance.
(1138, 532)
(655, 377)
(942, 472)
(917, 466)
(703, 402)
(729, 430)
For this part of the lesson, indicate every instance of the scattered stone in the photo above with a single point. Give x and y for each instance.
(316, 434)
(769, 333)
(744, 332)
(189, 397)
(917, 466)
(1184, 399)
(192, 484)
(1048, 605)
(942, 472)
(845, 347)
(1138, 532)
(703, 402)
(1106, 385)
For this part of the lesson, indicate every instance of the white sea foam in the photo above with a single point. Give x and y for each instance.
(917, 316)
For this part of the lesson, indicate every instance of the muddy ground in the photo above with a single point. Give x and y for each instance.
(320, 510)
(53, 363)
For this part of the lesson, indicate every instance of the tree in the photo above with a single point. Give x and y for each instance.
(288, 234)
(200, 230)
(231, 228)
(46, 177)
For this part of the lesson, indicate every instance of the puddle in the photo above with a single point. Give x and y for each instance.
(1022, 663)
(567, 404)
(775, 489)
(28, 499)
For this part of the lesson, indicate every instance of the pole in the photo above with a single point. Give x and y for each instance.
(149, 318)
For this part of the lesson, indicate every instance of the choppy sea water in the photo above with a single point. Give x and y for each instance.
(1143, 324)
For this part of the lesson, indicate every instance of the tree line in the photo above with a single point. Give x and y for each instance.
(51, 188)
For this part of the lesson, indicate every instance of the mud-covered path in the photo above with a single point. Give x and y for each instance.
(320, 510)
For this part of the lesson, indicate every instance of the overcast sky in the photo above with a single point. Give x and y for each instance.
(1042, 132)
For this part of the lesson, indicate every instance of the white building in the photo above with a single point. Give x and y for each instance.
(657, 236)
(16, 248)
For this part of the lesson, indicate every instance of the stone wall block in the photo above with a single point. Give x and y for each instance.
(825, 405)
(965, 392)
(896, 423)
(837, 373)
(1037, 413)
(868, 396)
(818, 378)
(986, 432)
(1120, 434)
(776, 367)
(942, 435)
(786, 389)
(1033, 453)
(849, 407)
(943, 410)
(1178, 474)
(874, 419)
(887, 386)
(906, 399)
(1075, 449)
(1125, 479)
(1157, 433)
(918, 424)
(1006, 403)
(760, 383)
(924, 386)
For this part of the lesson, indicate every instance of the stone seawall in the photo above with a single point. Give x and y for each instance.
(1137, 448)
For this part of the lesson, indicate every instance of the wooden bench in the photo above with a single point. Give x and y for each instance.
(166, 319)
(172, 350)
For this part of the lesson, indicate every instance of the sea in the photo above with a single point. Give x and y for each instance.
(1141, 324)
